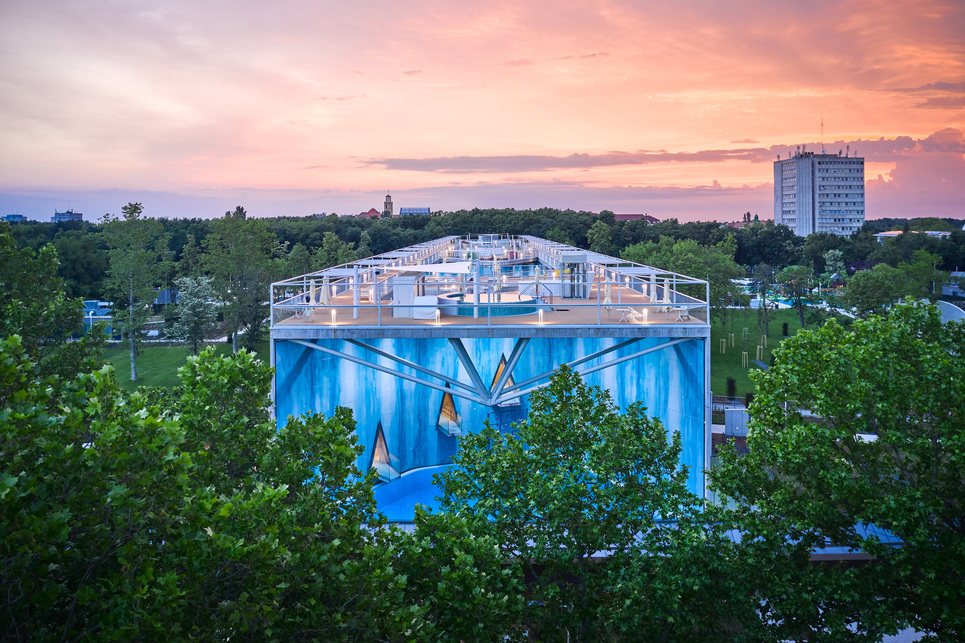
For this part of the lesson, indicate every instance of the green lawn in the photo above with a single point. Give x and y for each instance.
(157, 365)
(729, 363)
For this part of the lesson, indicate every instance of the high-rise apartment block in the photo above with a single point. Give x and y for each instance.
(819, 193)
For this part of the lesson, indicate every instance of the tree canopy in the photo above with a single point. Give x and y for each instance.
(35, 306)
(856, 441)
(578, 498)
(240, 253)
(138, 249)
(715, 264)
(199, 519)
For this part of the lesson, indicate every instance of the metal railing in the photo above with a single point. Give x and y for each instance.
(515, 282)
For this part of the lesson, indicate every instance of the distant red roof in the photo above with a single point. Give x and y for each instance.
(632, 217)
(371, 214)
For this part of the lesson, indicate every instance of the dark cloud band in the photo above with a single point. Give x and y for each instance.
(879, 150)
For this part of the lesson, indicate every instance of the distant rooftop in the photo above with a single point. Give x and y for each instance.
(891, 234)
(633, 217)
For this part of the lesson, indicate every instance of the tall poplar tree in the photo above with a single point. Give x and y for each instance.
(239, 258)
(138, 250)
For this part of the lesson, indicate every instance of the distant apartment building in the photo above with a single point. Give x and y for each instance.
(819, 193)
(14, 218)
(69, 215)
(403, 211)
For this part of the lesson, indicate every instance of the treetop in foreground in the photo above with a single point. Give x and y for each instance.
(579, 497)
(857, 441)
(200, 520)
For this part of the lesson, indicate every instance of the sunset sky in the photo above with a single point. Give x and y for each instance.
(293, 107)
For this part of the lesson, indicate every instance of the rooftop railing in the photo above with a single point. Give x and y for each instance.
(488, 280)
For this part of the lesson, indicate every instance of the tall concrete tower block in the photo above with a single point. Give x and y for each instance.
(819, 193)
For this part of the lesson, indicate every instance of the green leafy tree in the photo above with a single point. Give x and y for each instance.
(191, 263)
(834, 263)
(856, 441)
(559, 234)
(138, 250)
(34, 306)
(834, 270)
(333, 252)
(764, 279)
(299, 261)
(816, 245)
(600, 238)
(776, 245)
(575, 497)
(123, 520)
(715, 264)
(930, 224)
(197, 317)
(83, 263)
(301, 533)
(239, 258)
(923, 280)
(796, 283)
(90, 483)
(363, 251)
(459, 578)
(873, 292)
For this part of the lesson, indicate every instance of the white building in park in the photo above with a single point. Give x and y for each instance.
(819, 193)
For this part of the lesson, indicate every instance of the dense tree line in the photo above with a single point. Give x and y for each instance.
(243, 255)
(84, 266)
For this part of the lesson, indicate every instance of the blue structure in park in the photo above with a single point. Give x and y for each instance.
(426, 343)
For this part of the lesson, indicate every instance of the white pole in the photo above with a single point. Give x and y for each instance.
(355, 293)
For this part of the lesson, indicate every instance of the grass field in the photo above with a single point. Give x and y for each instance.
(728, 364)
(158, 365)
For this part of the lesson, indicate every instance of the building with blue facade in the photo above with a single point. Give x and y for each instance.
(426, 343)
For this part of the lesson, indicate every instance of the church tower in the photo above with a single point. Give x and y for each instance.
(387, 210)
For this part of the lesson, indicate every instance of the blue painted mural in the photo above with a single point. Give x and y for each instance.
(407, 427)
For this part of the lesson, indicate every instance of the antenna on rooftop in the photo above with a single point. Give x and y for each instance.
(822, 134)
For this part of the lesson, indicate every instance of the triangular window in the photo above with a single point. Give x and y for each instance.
(384, 463)
(449, 421)
(509, 381)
